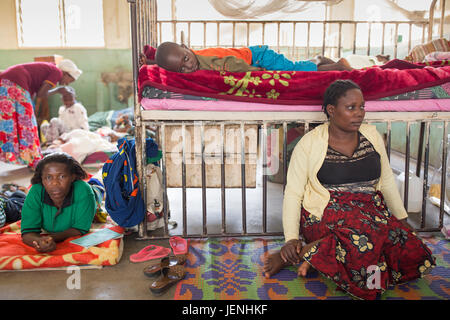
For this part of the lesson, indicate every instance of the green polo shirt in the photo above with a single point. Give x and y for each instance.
(78, 210)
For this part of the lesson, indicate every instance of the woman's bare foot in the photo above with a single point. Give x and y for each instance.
(273, 264)
(303, 269)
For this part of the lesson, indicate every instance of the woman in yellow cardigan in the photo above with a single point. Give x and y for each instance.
(341, 198)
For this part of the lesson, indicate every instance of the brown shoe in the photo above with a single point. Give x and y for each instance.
(154, 270)
(169, 276)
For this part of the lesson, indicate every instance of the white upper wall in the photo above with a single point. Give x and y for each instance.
(116, 22)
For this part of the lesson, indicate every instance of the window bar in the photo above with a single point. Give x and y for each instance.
(409, 36)
(146, 25)
(368, 38)
(174, 30)
(323, 37)
(233, 41)
(395, 40)
(425, 174)
(19, 8)
(284, 154)
(189, 34)
(218, 33)
(308, 35)
(63, 26)
(204, 34)
(134, 53)
(149, 13)
(423, 33)
(293, 41)
(339, 40)
(164, 176)
(183, 177)
(248, 34)
(203, 168)
(182, 41)
(139, 28)
(444, 173)
(354, 36)
(441, 24)
(278, 37)
(264, 176)
(407, 160)
(382, 37)
(222, 176)
(243, 183)
(263, 31)
(154, 29)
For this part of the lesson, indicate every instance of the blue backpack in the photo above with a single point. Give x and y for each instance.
(124, 201)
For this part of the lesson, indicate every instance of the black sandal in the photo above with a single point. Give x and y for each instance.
(169, 276)
(155, 269)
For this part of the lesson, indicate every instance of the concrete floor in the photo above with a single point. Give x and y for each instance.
(126, 280)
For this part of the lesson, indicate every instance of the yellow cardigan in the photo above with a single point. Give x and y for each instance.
(304, 189)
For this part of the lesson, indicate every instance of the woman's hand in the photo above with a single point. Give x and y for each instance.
(44, 244)
(290, 252)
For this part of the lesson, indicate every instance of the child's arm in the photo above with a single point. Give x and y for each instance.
(228, 63)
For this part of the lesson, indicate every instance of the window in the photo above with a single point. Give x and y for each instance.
(60, 23)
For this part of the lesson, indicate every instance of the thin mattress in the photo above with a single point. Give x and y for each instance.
(424, 105)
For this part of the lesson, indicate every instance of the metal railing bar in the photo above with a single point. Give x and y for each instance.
(407, 160)
(243, 182)
(222, 175)
(203, 173)
(425, 174)
(183, 178)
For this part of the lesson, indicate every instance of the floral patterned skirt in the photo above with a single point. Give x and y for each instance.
(19, 140)
(362, 247)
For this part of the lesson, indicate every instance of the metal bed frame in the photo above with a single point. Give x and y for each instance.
(144, 31)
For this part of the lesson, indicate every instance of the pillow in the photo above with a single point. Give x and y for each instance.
(437, 56)
(418, 53)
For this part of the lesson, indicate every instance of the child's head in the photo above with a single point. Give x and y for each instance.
(177, 58)
(69, 97)
(56, 172)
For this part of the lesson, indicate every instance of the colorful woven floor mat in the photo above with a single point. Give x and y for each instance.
(231, 269)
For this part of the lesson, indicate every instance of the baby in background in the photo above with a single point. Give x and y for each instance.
(71, 115)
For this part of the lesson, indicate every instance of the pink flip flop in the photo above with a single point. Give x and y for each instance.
(150, 252)
(179, 245)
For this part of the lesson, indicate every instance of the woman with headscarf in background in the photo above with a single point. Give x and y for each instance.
(19, 139)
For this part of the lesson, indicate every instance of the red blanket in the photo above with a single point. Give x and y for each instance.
(294, 87)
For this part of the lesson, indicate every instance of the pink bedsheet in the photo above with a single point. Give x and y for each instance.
(437, 105)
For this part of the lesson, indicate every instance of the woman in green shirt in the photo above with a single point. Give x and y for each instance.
(59, 202)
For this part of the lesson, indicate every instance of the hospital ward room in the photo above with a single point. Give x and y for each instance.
(217, 154)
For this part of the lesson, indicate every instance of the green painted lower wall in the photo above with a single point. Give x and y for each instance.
(91, 91)
(398, 141)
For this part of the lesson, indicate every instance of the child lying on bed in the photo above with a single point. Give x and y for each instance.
(71, 115)
(59, 202)
(178, 58)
